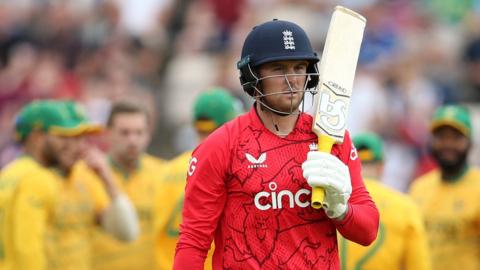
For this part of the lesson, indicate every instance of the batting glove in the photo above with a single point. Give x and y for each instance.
(327, 171)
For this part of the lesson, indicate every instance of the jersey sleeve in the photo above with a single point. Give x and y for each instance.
(32, 207)
(360, 225)
(417, 254)
(94, 186)
(205, 197)
(98, 194)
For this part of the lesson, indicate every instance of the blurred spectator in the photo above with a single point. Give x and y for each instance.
(471, 90)
(227, 14)
(138, 17)
(401, 241)
(138, 175)
(381, 38)
(51, 200)
(448, 196)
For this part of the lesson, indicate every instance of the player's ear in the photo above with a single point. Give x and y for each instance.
(258, 89)
(248, 75)
(313, 76)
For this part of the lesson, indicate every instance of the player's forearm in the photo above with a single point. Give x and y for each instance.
(97, 161)
(360, 224)
(108, 182)
(189, 258)
(120, 219)
(191, 250)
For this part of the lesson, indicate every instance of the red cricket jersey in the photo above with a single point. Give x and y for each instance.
(245, 189)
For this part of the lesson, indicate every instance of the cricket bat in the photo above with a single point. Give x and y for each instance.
(337, 71)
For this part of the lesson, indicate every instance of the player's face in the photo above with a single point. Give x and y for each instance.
(449, 147)
(372, 169)
(129, 136)
(285, 83)
(63, 152)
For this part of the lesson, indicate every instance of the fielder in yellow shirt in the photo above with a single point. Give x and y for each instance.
(138, 175)
(401, 242)
(449, 197)
(167, 237)
(53, 210)
(212, 109)
(24, 167)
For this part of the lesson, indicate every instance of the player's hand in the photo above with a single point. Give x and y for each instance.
(327, 171)
(97, 161)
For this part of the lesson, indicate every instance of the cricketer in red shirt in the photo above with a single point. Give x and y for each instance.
(246, 191)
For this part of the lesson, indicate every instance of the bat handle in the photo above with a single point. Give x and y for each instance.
(325, 144)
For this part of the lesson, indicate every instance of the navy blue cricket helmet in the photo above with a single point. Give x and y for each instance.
(275, 40)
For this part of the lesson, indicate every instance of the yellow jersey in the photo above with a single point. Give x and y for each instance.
(401, 241)
(143, 187)
(52, 218)
(80, 200)
(171, 215)
(451, 212)
(11, 176)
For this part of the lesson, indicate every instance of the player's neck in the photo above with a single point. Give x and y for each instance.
(126, 167)
(279, 125)
(33, 148)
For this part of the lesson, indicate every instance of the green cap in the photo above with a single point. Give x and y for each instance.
(369, 147)
(62, 118)
(453, 116)
(213, 108)
(76, 121)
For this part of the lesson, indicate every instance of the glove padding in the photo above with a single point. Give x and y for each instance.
(327, 171)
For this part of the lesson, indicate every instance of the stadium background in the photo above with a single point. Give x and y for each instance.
(417, 55)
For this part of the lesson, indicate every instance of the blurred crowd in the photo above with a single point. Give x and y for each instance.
(416, 55)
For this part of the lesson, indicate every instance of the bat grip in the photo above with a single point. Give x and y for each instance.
(325, 144)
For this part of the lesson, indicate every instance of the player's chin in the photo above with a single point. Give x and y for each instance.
(289, 107)
(67, 163)
(292, 100)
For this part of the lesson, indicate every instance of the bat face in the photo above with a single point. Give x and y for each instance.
(337, 71)
(331, 116)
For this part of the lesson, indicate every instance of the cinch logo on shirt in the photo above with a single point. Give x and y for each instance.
(265, 200)
(256, 162)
